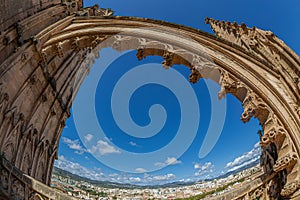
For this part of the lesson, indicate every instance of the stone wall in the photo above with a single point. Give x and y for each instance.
(13, 11)
(15, 185)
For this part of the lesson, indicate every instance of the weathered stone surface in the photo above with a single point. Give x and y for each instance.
(48, 47)
(15, 185)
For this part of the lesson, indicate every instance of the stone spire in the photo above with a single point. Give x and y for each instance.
(264, 45)
(246, 37)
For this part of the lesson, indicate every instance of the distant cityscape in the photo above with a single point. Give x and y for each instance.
(83, 188)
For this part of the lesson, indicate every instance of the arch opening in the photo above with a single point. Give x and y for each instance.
(40, 80)
(116, 73)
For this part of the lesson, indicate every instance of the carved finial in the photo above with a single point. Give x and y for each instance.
(105, 12)
(235, 24)
(168, 62)
(208, 20)
(75, 44)
(95, 11)
(195, 75)
(140, 54)
(227, 30)
(59, 49)
(243, 26)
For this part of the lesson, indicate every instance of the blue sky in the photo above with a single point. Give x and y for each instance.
(137, 139)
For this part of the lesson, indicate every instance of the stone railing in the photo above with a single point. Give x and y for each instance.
(18, 186)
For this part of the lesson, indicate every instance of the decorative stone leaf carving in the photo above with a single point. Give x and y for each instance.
(273, 131)
(168, 62)
(253, 106)
(290, 188)
(285, 162)
(258, 193)
(195, 75)
(60, 50)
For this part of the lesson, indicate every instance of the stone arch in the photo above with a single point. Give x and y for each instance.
(26, 151)
(251, 95)
(12, 136)
(252, 64)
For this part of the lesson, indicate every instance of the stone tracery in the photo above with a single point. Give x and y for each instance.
(62, 51)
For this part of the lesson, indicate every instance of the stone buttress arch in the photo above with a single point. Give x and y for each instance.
(43, 69)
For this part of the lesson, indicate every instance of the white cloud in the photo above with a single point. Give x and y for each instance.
(76, 168)
(208, 167)
(135, 179)
(158, 179)
(103, 148)
(113, 175)
(247, 158)
(165, 177)
(133, 144)
(62, 158)
(97, 174)
(88, 137)
(140, 170)
(172, 161)
(107, 139)
(197, 166)
(74, 144)
(243, 164)
(159, 164)
(168, 161)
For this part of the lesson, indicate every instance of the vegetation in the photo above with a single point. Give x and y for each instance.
(93, 192)
(202, 196)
